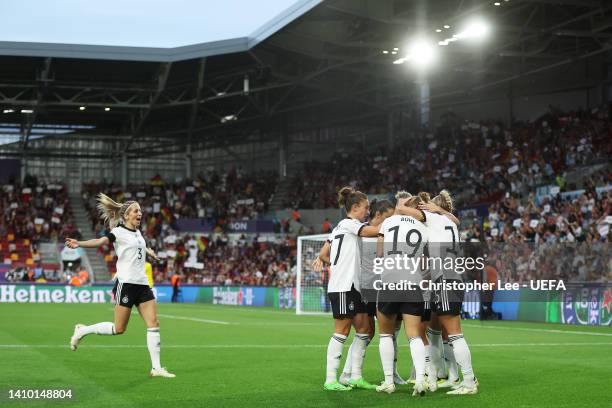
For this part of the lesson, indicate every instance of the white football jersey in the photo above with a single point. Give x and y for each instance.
(131, 252)
(345, 255)
(443, 238)
(404, 235)
(368, 253)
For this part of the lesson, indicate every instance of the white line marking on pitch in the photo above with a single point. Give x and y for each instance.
(274, 346)
(193, 319)
(538, 330)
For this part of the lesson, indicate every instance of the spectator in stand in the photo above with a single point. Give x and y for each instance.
(326, 226)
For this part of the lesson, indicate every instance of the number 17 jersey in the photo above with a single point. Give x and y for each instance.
(345, 256)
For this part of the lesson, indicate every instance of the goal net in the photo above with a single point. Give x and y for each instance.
(311, 286)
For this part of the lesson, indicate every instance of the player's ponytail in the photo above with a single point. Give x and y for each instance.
(111, 211)
(348, 197)
(444, 200)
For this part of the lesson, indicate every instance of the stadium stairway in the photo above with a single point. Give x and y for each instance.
(281, 194)
(81, 218)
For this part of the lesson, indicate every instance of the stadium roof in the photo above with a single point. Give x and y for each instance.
(141, 30)
(324, 69)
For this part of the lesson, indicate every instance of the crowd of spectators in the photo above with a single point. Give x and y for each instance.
(212, 196)
(480, 161)
(249, 260)
(35, 210)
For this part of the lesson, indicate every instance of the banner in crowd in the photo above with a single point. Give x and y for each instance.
(237, 226)
(222, 295)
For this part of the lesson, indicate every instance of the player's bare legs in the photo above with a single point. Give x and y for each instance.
(342, 328)
(412, 326)
(148, 311)
(122, 317)
(461, 351)
(386, 329)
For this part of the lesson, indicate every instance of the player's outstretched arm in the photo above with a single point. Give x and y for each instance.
(152, 254)
(412, 212)
(431, 207)
(369, 231)
(92, 243)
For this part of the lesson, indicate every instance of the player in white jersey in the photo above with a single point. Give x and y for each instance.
(131, 283)
(343, 247)
(402, 238)
(379, 211)
(446, 304)
(432, 339)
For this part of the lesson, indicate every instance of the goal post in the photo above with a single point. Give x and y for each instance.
(311, 286)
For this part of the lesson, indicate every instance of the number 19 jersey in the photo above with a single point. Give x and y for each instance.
(404, 235)
(345, 256)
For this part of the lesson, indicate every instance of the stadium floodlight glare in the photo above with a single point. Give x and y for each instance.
(8, 111)
(82, 108)
(106, 109)
(447, 26)
(385, 52)
(497, 3)
(438, 30)
(422, 53)
(229, 118)
(476, 29)
(27, 111)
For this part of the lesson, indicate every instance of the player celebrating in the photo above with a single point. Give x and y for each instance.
(131, 284)
(402, 235)
(379, 211)
(348, 309)
(446, 304)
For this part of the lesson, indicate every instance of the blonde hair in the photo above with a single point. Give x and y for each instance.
(112, 212)
(402, 194)
(424, 196)
(444, 200)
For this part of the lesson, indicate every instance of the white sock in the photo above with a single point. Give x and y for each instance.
(449, 356)
(385, 347)
(348, 364)
(463, 357)
(435, 346)
(154, 345)
(417, 350)
(395, 351)
(360, 342)
(104, 329)
(334, 354)
(427, 356)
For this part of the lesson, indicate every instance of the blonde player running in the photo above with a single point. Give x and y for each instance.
(348, 309)
(446, 304)
(131, 284)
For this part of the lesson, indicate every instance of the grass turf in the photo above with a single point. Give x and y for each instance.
(271, 358)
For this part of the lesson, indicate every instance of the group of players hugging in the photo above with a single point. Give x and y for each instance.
(417, 226)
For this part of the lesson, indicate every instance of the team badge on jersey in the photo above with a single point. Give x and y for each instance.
(124, 300)
(352, 305)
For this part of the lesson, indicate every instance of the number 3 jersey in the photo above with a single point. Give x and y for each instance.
(345, 256)
(131, 252)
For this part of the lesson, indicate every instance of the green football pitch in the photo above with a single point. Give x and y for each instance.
(249, 357)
